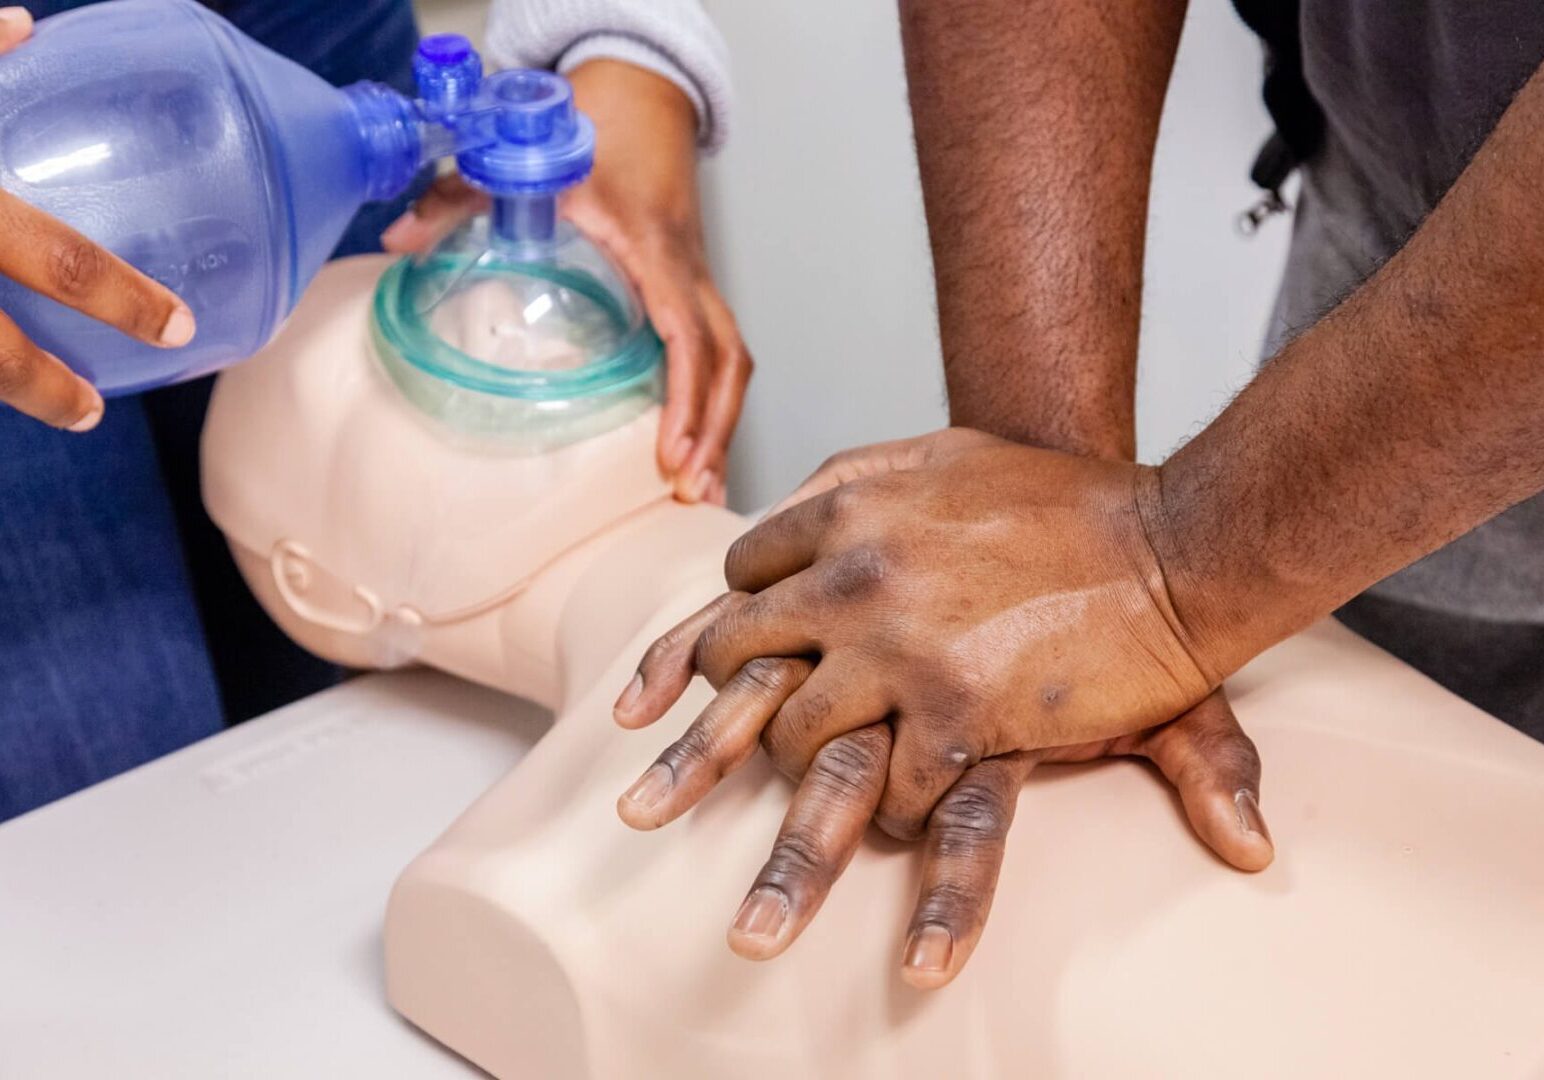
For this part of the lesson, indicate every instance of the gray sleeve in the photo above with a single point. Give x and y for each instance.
(674, 38)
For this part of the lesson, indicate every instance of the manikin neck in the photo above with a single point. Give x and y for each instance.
(569, 624)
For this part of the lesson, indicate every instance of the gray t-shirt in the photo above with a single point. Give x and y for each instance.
(1409, 90)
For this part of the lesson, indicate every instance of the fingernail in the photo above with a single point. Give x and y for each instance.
(630, 694)
(92, 418)
(763, 913)
(179, 328)
(930, 948)
(651, 787)
(1250, 820)
(14, 16)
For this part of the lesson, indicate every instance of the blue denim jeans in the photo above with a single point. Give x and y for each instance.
(125, 630)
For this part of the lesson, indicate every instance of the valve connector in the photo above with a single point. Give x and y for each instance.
(540, 143)
(449, 73)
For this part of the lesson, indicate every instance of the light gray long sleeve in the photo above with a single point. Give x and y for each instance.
(674, 38)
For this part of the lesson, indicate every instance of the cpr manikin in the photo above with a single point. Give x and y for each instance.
(450, 461)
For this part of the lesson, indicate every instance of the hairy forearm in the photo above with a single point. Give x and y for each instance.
(1410, 414)
(1035, 124)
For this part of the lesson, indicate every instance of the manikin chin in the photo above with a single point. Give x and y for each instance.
(485, 500)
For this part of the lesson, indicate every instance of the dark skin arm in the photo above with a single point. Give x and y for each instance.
(1035, 125)
(1039, 323)
(1403, 419)
(1036, 166)
(993, 599)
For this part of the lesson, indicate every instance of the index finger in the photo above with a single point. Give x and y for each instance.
(782, 545)
(668, 666)
(858, 463)
(47, 256)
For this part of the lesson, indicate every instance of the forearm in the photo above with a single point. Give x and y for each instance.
(1035, 124)
(1406, 417)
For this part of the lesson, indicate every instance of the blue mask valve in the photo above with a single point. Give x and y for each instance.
(526, 144)
(449, 73)
(516, 135)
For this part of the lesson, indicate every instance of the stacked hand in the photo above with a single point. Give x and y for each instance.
(914, 630)
(47, 256)
(641, 206)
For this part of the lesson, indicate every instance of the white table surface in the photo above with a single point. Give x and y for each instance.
(217, 913)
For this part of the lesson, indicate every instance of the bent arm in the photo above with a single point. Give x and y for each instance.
(1035, 125)
(1410, 414)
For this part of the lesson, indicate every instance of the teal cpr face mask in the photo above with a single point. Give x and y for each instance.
(535, 349)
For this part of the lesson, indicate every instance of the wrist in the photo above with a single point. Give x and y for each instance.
(607, 87)
(1049, 394)
(1223, 586)
(1103, 436)
(1191, 591)
(644, 187)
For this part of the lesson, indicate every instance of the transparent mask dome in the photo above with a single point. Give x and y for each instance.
(531, 345)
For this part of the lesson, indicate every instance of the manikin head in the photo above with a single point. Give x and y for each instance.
(426, 436)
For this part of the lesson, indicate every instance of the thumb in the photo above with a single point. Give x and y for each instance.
(855, 464)
(1216, 770)
(877, 459)
(15, 27)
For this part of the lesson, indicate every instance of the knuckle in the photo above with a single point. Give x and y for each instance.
(834, 462)
(846, 768)
(858, 572)
(972, 814)
(76, 266)
(18, 367)
(673, 237)
(785, 756)
(899, 826)
(695, 746)
(661, 651)
(844, 504)
(737, 559)
(714, 653)
(797, 854)
(708, 643)
(1241, 758)
(1229, 753)
(947, 902)
(734, 361)
(698, 343)
(806, 713)
(765, 675)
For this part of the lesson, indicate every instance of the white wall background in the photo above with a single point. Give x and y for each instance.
(819, 240)
(452, 17)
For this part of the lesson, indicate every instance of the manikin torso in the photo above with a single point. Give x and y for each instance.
(1400, 930)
